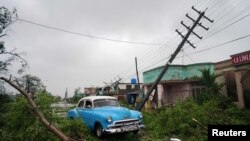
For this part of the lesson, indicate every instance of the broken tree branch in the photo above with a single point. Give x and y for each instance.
(40, 115)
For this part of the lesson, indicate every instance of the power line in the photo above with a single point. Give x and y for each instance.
(234, 40)
(228, 25)
(86, 35)
(215, 46)
(162, 47)
(223, 12)
(225, 15)
(219, 45)
(223, 28)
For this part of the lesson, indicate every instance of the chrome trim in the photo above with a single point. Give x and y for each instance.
(123, 129)
(125, 122)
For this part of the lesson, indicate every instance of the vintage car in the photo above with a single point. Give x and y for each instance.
(104, 115)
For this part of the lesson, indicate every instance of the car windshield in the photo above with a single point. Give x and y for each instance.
(105, 102)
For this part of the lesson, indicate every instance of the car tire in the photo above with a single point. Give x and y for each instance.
(135, 132)
(99, 130)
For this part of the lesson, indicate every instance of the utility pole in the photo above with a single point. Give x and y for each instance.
(137, 74)
(185, 39)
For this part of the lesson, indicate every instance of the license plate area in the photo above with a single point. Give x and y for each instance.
(129, 128)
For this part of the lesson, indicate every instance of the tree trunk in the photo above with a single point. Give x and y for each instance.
(40, 115)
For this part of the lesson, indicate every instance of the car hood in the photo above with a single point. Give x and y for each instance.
(117, 113)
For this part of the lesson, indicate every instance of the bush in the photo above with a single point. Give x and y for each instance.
(22, 124)
(247, 99)
(75, 129)
(188, 120)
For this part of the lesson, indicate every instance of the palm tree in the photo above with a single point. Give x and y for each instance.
(208, 79)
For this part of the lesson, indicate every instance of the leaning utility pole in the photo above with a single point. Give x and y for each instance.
(185, 39)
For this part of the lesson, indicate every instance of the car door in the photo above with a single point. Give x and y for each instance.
(86, 113)
(89, 113)
(80, 107)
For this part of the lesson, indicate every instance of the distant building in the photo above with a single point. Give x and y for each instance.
(177, 83)
(128, 91)
(124, 88)
(121, 90)
(91, 91)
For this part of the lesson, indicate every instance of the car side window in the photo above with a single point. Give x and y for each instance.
(81, 104)
(88, 104)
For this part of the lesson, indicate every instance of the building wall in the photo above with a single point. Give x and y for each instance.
(235, 77)
(124, 88)
(169, 93)
(177, 72)
(175, 84)
(233, 73)
(175, 91)
(246, 80)
(90, 91)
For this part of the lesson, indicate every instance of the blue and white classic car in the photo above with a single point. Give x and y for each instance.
(104, 115)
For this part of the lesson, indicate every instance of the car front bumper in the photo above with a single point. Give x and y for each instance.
(130, 128)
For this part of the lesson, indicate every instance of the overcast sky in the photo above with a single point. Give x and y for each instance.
(65, 60)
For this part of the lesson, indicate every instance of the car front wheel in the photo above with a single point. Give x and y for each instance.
(135, 132)
(99, 130)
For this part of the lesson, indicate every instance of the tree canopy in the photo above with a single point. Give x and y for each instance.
(31, 83)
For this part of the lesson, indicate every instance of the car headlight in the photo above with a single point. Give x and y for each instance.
(109, 119)
(140, 116)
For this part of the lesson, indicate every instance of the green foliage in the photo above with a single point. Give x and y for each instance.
(22, 124)
(202, 97)
(77, 95)
(124, 103)
(188, 120)
(75, 129)
(208, 80)
(4, 100)
(247, 99)
(31, 84)
(213, 89)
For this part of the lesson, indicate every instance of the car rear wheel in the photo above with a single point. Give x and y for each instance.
(99, 130)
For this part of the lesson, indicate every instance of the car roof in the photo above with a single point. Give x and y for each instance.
(97, 97)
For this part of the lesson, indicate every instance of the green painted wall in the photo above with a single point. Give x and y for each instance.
(177, 72)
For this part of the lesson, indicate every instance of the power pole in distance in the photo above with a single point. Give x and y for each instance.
(185, 39)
